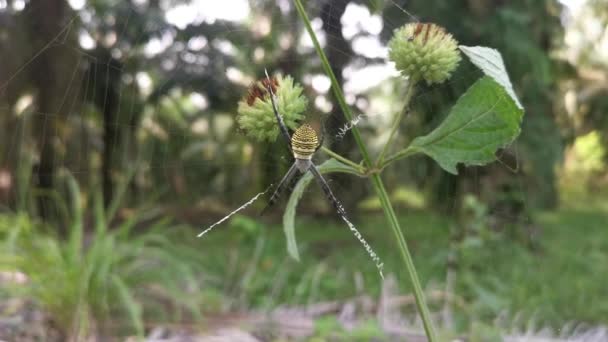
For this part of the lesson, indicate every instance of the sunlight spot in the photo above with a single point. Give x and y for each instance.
(3, 4)
(225, 47)
(285, 41)
(235, 75)
(200, 126)
(357, 19)
(127, 78)
(85, 40)
(144, 82)
(202, 60)
(182, 16)
(18, 5)
(110, 19)
(231, 10)
(361, 80)
(22, 104)
(321, 83)
(198, 11)
(574, 5)
(317, 26)
(258, 54)
(157, 45)
(116, 53)
(152, 127)
(570, 102)
(247, 152)
(284, 5)
(85, 15)
(222, 124)
(189, 57)
(362, 104)
(5, 180)
(323, 104)
(76, 5)
(167, 64)
(262, 26)
(110, 39)
(197, 43)
(199, 101)
(370, 47)
(350, 98)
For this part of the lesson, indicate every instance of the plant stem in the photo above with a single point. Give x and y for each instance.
(406, 152)
(334, 82)
(344, 160)
(389, 212)
(376, 181)
(409, 93)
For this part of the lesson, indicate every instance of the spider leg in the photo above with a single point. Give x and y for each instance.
(342, 213)
(278, 116)
(287, 182)
(327, 190)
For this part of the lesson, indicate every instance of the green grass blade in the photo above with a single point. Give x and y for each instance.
(328, 166)
(130, 304)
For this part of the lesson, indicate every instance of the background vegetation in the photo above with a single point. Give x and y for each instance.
(118, 145)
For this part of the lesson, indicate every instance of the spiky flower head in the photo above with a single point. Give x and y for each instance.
(255, 115)
(424, 51)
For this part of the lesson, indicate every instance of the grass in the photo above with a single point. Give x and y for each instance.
(108, 279)
(567, 279)
(559, 281)
(82, 282)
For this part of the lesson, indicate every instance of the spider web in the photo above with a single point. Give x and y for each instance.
(200, 155)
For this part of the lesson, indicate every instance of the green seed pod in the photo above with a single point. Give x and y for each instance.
(255, 115)
(424, 51)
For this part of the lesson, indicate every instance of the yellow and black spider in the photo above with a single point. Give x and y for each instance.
(303, 144)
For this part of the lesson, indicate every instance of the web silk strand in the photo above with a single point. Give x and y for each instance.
(232, 213)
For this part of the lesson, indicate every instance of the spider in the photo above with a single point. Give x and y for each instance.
(303, 145)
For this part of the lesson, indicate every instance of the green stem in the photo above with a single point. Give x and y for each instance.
(409, 93)
(389, 212)
(334, 82)
(406, 152)
(344, 160)
(376, 181)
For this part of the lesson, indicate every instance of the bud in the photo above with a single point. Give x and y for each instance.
(255, 115)
(424, 51)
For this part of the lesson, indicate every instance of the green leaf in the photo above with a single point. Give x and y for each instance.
(331, 165)
(484, 119)
(491, 63)
(129, 303)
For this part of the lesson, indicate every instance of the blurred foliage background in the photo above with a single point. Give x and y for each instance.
(118, 143)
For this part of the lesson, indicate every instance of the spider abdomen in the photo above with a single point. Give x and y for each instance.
(304, 142)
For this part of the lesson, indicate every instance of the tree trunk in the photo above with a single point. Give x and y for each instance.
(50, 74)
(110, 139)
(339, 54)
(105, 74)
